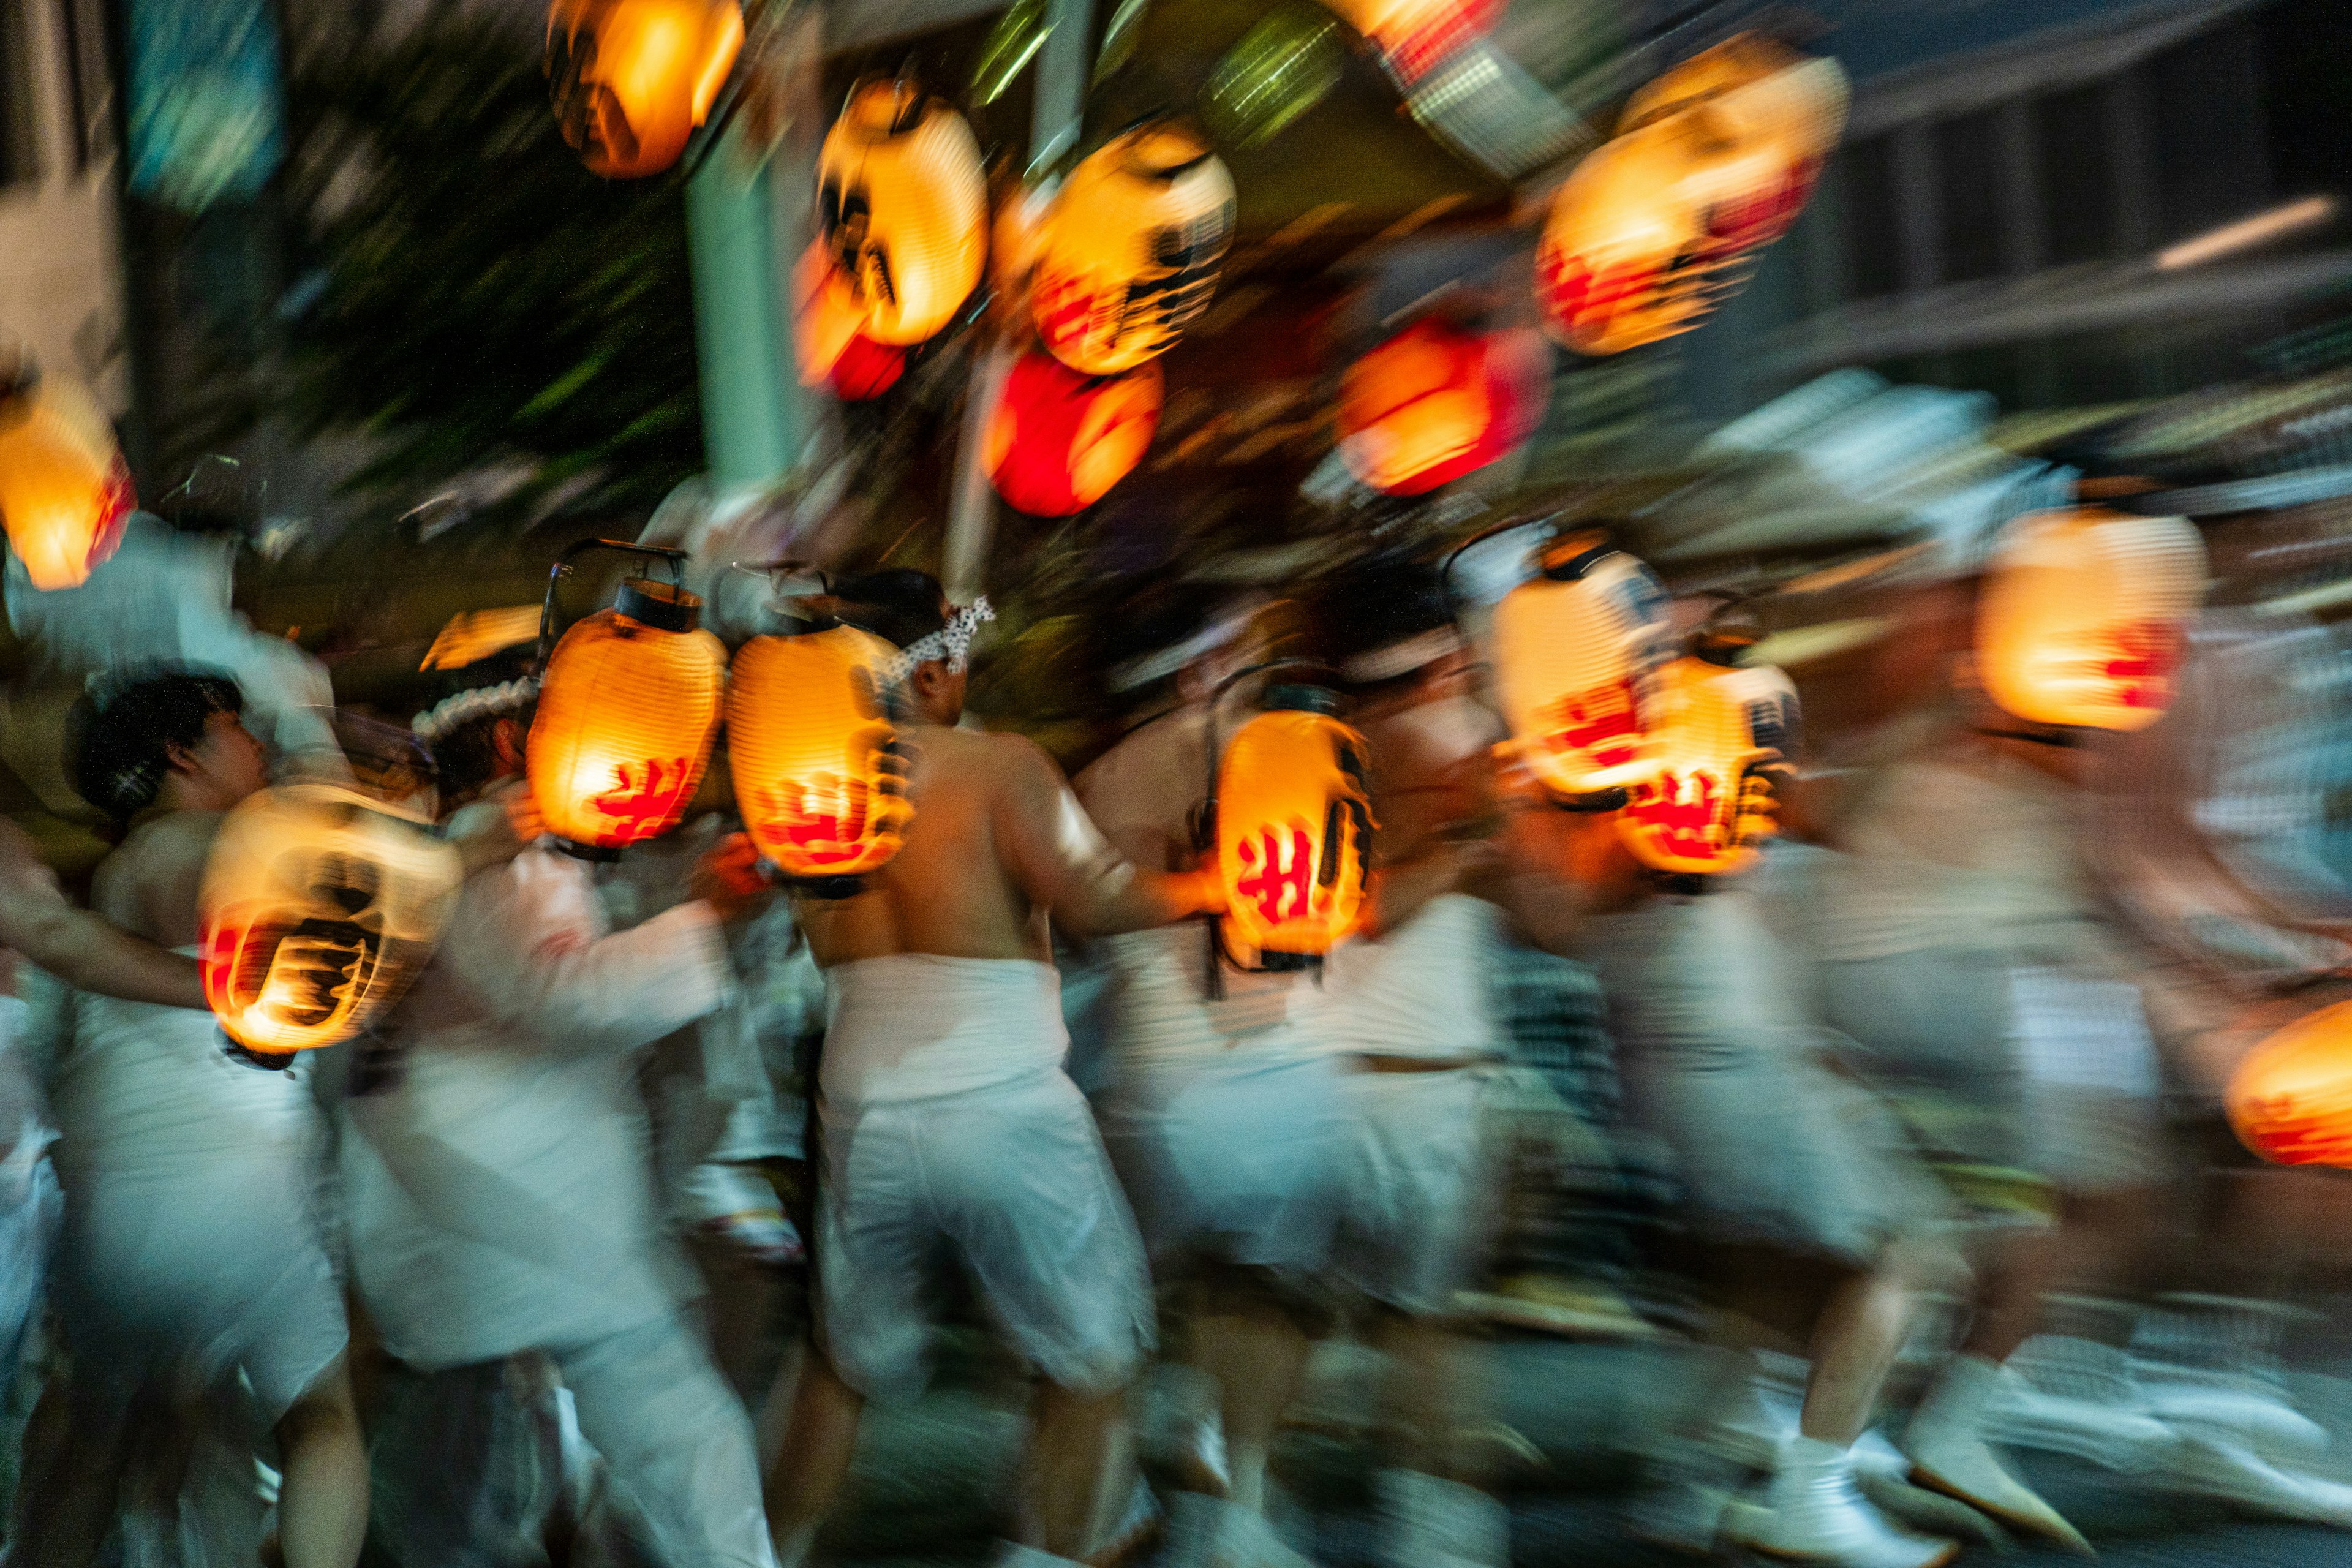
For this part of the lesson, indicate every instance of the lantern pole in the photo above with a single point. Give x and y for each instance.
(752, 417)
(1054, 123)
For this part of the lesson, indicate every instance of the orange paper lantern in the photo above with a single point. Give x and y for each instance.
(2291, 1098)
(65, 490)
(811, 743)
(626, 709)
(632, 79)
(1435, 403)
(1131, 251)
(1704, 809)
(1577, 653)
(1057, 440)
(1415, 35)
(827, 342)
(2084, 615)
(904, 209)
(319, 905)
(1293, 828)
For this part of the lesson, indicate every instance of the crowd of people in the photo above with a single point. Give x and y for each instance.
(1936, 1083)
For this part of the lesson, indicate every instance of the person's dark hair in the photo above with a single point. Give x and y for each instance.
(119, 737)
(902, 607)
(1148, 621)
(1374, 603)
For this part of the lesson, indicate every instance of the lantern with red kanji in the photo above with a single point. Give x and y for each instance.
(632, 79)
(2085, 614)
(2291, 1100)
(1435, 403)
(627, 706)
(65, 490)
(1578, 650)
(1705, 807)
(809, 737)
(1057, 440)
(1293, 823)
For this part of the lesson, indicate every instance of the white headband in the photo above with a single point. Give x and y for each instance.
(951, 642)
(447, 716)
(1147, 668)
(1397, 658)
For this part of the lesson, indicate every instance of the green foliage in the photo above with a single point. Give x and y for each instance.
(484, 298)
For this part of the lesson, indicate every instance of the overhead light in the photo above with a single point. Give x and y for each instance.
(2246, 232)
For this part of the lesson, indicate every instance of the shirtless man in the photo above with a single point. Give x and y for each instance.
(948, 1118)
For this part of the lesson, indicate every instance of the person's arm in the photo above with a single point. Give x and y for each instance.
(84, 950)
(1065, 865)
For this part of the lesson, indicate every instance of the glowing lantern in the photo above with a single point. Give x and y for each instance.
(810, 740)
(1435, 402)
(1704, 809)
(626, 709)
(65, 491)
(632, 79)
(1415, 35)
(826, 339)
(2084, 615)
(1130, 253)
(1577, 653)
(2291, 1098)
(1292, 829)
(904, 208)
(319, 906)
(1659, 225)
(1057, 440)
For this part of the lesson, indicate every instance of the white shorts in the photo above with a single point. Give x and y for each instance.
(1011, 1181)
(1416, 1182)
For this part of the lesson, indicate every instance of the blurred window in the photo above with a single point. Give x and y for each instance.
(20, 132)
(1967, 174)
(1872, 219)
(2077, 168)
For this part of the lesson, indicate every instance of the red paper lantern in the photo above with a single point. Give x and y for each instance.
(826, 337)
(1435, 403)
(1059, 440)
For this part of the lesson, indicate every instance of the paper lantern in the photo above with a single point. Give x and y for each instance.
(827, 342)
(808, 735)
(1435, 403)
(319, 905)
(904, 210)
(1415, 35)
(2291, 1098)
(1704, 809)
(1292, 829)
(2085, 614)
(626, 708)
(1578, 650)
(1130, 250)
(1661, 224)
(1057, 440)
(65, 490)
(632, 79)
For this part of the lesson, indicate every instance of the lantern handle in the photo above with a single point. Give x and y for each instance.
(675, 558)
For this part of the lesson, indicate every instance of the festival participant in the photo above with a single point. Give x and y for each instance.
(496, 1165)
(192, 1257)
(950, 1125)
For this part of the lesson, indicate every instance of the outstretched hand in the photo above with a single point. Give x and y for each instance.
(728, 877)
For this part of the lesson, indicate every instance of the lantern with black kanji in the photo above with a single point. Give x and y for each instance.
(627, 706)
(632, 79)
(1057, 440)
(1578, 649)
(904, 210)
(828, 339)
(1292, 825)
(1130, 250)
(319, 905)
(2085, 614)
(1435, 403)
(1705, 807)
(2291, 1098)
(65, 490)
(817, 775)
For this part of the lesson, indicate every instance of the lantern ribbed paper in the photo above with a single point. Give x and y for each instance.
(2084, 616)
(1293, 829)
(1058, 441)
(2291, 1098)
(65, 490)
(1415, 35)
(1577, 653)
(1435, 403)
(811, 745)
(626, 709)
(1130, 250)
(319, 906)
(632, 79)
(827, 342)
(1702, 809)
(904, 209)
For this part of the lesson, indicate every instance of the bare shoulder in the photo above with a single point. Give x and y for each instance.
(156, 871)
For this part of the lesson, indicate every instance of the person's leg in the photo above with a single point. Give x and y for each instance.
(1256, 1352)
(1080, 1474)
(1854, 1344)
(67, 1497)
(322, 1499)
(813, 1459)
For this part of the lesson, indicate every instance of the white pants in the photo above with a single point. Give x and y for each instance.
(1418, 1200)
(1011, 1181)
